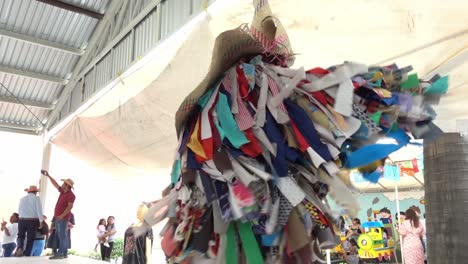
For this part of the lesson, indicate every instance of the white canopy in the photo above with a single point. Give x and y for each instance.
(131, 127)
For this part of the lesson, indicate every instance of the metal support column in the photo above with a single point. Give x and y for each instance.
(446, 193)
(44, 180)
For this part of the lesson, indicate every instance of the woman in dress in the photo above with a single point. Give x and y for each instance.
(412, 231)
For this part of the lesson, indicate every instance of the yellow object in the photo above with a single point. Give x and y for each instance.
(339, 248)
(371, 245)
(194, 144)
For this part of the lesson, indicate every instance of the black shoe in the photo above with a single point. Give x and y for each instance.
(57, 257)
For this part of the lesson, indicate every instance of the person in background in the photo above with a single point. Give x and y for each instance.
(355, 229)
(385, 237)
(53, 242)
(42, 235)
(62, 213)
(10, 234)
(412, 231)
(402, 215)
(70, 226)
(30, 219)
(137, 249)
(352, 256)
(101, 231)
(417, 210)
(106, 252)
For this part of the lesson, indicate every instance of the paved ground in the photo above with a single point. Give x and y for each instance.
(41, 260)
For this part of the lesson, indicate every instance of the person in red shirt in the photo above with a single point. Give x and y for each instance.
(62, 213)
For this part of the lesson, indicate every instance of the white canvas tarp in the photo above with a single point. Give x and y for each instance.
(131, 128)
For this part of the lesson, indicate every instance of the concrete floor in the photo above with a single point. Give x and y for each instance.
(41, 260)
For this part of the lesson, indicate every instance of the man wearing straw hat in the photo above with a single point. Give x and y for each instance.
(30, 219)
(62, 213)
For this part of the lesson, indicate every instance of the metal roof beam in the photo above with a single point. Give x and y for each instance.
(19, 128)
(41, 42)
(19, 131)
(36, 104)
(96, 38)
(73, 8)
(33, 75)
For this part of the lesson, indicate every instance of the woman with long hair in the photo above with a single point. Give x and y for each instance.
(106, 251)
(412, 230)
(355, 229)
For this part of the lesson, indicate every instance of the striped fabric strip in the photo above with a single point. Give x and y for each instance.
(275, 91)
(244, 119)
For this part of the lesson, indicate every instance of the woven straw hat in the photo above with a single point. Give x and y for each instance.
(68, 182)
(265, 36)
(32, 188)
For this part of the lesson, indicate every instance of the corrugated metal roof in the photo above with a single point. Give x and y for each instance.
(33, 58)
(29, 89)
(18, 114)
(35, 72)
(93, 5)
(46, 22)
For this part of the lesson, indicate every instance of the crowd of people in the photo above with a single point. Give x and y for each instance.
(28, 233)
(409, 225)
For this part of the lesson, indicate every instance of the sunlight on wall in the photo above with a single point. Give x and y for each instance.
(20, 163)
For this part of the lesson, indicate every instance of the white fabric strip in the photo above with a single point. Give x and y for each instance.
(288, 87)
(290, 190)
(260, 172)
(325, 134)
(205, 120)
(235, 208)
(317, 160)
(242, 174)
(280, 116)
(270, 225)
(262, 101)
(210, 168)
(287, 72)
(331, 168)
(307, 174)
(267, 206)
(333, 151)
(342, 73)
(221, 258)
(219, 226)
(344, 98)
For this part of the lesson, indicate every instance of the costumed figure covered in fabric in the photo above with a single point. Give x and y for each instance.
(137, 248)
(261, 147)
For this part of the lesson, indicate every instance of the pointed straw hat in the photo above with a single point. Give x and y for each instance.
(266, 35)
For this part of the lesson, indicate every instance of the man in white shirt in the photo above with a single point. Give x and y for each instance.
(30, 219)
(10, 234)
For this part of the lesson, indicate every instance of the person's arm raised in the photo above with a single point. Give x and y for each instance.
(52, 180)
